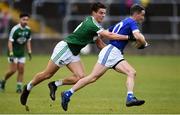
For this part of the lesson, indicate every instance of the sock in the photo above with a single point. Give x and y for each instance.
(58, 83)
(29, 86)
(69, 93)
(129, 95)
(3, 80)
(129, 92)
(71, 90)
(2, 84)
(19, 85)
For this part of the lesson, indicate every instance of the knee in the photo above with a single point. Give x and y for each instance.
(80, 76)
(12, 71)
(132, 73)
(76, 79)
(21, 71)
(93, 79)
(47, 75)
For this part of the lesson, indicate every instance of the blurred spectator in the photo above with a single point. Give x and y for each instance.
(74, 23)
(129, 3)
(145, 3)
(9, 2)
(122, 8)
(62, 8)
(137, 1)
(1, 15)
(102, 1)
(4, 21)
(75, 9)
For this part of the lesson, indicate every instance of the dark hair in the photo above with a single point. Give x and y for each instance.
(23, 15)
(136, 8)
(96, 6)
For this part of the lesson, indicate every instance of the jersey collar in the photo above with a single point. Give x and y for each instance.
(21, 26)
(95, 22)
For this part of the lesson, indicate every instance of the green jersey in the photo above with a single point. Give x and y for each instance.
(19, 37)
(83, 34)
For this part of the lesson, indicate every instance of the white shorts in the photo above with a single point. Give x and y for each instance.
(109, 56)
(18, 60)
(62, 55)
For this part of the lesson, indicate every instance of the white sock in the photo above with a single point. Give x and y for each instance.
(29, 86)
(130, 92)
(58, 83)
(19, 83)
(71, 90)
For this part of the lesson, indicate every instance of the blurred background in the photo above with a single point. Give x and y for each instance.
(52, 20)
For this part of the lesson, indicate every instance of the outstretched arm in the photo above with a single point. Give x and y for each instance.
(113, 36)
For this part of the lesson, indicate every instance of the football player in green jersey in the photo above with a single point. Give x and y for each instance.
(20, 36)
(66, 52)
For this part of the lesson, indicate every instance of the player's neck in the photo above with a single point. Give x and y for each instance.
(95, 19)
(134, 18)
(22, 26)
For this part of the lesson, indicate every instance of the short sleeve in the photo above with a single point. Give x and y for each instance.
(12, 34)
(134, 27)
(97, 28)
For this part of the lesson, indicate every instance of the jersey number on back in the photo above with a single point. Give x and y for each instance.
(117, 27)
(78, 27)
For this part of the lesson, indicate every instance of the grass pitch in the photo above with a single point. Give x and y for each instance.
(157, 82)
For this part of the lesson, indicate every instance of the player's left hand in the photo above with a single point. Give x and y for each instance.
(11, 57)
(144, 46)
(30, 56)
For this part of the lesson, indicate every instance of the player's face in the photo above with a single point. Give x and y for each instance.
(99, 15)
(140, 16)
(24, 21)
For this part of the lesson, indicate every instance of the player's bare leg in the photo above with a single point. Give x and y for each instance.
(77, 69)
(9, 73)
(20, 68)
(125, 68)
(97, 72)
(48, 72)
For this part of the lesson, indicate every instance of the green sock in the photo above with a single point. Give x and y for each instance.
(19, 86)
